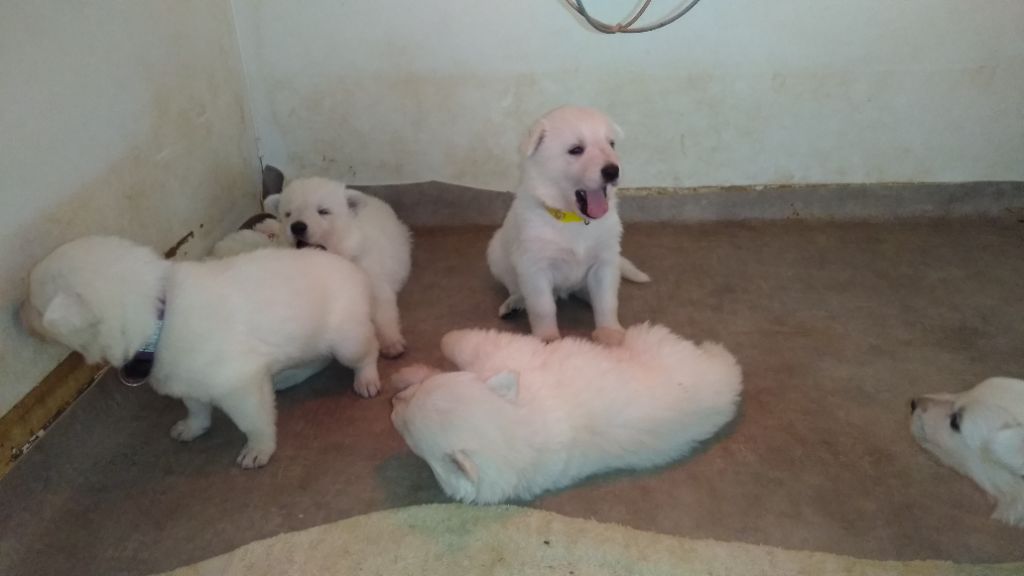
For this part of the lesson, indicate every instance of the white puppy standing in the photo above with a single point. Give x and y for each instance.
(218, 330)
(360, 227)
(524, 417)
(562, 234)
(979, 433)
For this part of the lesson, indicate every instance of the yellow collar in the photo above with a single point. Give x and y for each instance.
(565, 217)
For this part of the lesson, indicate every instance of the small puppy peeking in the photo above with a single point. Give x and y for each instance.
(324, 213)
(979, 433)
(562, 235)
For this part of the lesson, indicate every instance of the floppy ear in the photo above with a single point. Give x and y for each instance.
(616, 130)
(272, 203)
(465, 464)
(273, 181)
(533, 139)
(355, 203)
(1007, 446)
(67, 313)
(505, 384)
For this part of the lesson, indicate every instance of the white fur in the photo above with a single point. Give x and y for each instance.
(524, 417)
(361, 228)
(266, 234)
(229, 324)
(989, 447)
(539, 258)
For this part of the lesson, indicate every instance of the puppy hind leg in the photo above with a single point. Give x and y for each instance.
(387, 321)
(195, 424)
(251, 407)
(358, 349)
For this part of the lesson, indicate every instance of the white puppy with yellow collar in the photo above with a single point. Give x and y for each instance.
(562, 234)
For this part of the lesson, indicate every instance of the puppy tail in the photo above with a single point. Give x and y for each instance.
(721, 368)
(631, 272)
(412, 375)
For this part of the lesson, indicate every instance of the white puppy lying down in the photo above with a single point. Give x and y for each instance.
(360, 227)
(979, 433)
(524, 417)
(228, 325)
(562, 234)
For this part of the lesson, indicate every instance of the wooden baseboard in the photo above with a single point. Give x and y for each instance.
(28, 419)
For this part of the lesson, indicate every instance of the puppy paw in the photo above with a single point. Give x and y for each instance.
(510, 306)
(188, 430)
(392, 347)
(255, 455)
(549, 335)
(367, 386)
(609, 336)
(412, 375)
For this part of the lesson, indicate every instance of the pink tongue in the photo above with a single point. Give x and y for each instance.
(597, 204)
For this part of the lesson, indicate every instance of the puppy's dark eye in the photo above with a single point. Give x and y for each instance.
(612, 144)
(576, 150)
(323, 212)
(954, 421)
(287, 214)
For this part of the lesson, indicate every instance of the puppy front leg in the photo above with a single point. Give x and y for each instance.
(480, 351)
(540, 306)
(195, 424)
(603, 288)
(251, 407)
(386, 320)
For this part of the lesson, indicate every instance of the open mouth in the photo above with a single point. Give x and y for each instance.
(592, 203)
(299, 243)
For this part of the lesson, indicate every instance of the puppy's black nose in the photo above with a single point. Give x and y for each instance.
(913, 406)
(298, 228)
(610, 172)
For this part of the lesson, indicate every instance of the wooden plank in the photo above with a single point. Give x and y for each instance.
(30, 417)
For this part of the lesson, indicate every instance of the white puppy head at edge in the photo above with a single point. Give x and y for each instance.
(315, 212)
(467, 450)
(97, 295)
(979, 433)
(569, 161)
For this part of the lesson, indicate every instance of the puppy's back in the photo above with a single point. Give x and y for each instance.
(281, 286)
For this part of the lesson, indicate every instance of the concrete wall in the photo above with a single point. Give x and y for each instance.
(738, 92)
(116, 117)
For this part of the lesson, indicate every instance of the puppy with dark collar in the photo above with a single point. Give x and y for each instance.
(214, 332)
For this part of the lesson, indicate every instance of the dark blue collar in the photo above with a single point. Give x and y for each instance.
(136, 371)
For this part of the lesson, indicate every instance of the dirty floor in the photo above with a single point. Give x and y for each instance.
(836, 326)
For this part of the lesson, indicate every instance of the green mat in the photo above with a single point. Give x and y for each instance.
(454, 539)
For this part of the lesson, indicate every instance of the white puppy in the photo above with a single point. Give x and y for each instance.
(227, 325)
(562, 234)
(979, 433)
(360, 227)
(525, 417)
